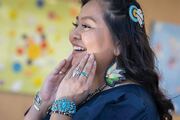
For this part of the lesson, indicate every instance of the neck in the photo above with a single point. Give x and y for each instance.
(99, 77)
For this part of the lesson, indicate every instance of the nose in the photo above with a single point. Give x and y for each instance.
(76, 34)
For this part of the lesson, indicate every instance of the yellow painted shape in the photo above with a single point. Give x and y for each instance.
(37, 81)
(34, 51)
(13, 14)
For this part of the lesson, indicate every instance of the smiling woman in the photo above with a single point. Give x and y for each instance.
(110, 74)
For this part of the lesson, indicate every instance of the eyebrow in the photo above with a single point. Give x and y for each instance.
(86, 17)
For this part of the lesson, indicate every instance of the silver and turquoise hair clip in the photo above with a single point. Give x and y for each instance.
(136, 15)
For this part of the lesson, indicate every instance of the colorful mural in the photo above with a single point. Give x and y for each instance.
(166, 43)
(33, 39)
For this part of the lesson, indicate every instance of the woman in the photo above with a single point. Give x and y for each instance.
(110, 74)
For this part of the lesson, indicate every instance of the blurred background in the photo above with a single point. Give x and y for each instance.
(34, 38)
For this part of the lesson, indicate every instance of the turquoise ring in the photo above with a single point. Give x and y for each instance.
(84, 74)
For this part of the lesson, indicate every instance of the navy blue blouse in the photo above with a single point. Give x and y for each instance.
(127, 102)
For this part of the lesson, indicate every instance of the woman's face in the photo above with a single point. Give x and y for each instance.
(91, 35)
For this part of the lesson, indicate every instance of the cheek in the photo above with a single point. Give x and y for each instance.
(71, 36)
(94, 41)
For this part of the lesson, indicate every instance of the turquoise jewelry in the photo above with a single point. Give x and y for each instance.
(114, 75)
(136, 15)
(83, 73)
(64, 106)
(37, 101)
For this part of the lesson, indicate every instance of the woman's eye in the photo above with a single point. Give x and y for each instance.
(86, 26)
(75, 24)
(82, 25)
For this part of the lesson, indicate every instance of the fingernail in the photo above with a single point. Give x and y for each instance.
(62, 62)
(70, 57)
(94, 63)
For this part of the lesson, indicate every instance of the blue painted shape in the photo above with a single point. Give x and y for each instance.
(17, 67)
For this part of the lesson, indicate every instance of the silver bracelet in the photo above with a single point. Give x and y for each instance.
(37, 101)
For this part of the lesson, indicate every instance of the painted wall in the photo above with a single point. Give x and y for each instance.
(35, 36)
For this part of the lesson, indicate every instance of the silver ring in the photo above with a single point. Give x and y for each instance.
(76, 72)
(60, 72)
(83, 73)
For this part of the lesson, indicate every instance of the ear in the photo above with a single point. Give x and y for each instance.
(117, 50)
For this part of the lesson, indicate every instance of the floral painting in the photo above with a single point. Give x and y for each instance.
(33, 40)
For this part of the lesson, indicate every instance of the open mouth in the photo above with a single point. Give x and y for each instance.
(79, 49)
(78, 53)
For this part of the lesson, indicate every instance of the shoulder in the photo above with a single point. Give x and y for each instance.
(124, 102)
(128, 98)
(134, 103)
(131, 94)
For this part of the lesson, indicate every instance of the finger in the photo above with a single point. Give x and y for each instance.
(87, 68)
(69, 74)
(58, 68)
(65, 68)
(82, 64)
(77, 66)
(92, 74)
(61, 65)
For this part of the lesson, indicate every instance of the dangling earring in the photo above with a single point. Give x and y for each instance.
(114, 74)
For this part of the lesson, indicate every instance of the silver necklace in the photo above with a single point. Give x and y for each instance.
(100, 89)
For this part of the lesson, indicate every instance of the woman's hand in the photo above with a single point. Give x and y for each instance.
(78, 81)
(51, 83)
(49, 89)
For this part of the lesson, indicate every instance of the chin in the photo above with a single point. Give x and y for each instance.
(77, 56)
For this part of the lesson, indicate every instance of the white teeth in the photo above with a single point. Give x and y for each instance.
(77, 48)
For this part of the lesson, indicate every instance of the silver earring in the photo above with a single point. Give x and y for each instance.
(114, 74)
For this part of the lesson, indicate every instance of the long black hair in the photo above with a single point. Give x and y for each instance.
(136, 56)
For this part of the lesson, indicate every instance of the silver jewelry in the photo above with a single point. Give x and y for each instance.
(37, 101)
(83, 73)
(76, 72)
(98, 90)
(60, 72)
